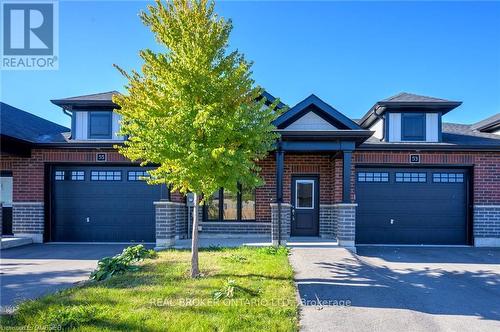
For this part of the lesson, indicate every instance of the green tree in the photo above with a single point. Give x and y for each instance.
(194, 109)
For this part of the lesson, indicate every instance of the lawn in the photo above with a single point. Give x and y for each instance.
(162, 297)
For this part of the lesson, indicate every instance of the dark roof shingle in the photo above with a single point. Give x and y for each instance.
(490, 122)
(27, 127)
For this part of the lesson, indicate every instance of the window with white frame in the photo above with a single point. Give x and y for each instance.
(448, 177)
(137, 175)
(373, 177)
(59, 175)
(106, 175)
(411, 177)
(77, 175)
(304, 194)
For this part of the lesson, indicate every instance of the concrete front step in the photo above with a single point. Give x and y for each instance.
(12, 242)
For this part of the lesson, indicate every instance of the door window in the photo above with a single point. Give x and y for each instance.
(304, 194)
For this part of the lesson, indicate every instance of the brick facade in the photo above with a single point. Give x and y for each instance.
(486, 172)
(29, 187)
(487, 225)
(345, 222)
(28, 220)
(285, 218)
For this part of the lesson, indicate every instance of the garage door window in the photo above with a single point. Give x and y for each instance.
(373, 177)
(448, 177)
(106, 175)
(411, 177)
(77, 175)
(59, 176)
(137, 175)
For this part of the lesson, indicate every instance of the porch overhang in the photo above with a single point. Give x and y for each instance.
(321, 140)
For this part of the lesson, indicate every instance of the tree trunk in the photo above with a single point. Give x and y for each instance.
(195, 271)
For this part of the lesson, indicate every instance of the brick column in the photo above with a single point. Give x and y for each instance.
(28, 220)
(345, 220)
(327, 221)
(286, 223)
(168, 215)
(487, 225)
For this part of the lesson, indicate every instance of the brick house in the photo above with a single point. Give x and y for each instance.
(399, 175)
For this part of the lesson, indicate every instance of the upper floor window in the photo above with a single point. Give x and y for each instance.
(413, 127)
(100, 125)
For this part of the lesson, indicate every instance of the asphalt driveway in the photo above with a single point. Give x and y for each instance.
(35, 270)
(398, 289)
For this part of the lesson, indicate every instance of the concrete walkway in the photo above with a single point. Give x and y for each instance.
(398, 289)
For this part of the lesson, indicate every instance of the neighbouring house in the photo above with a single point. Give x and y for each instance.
(399, 175)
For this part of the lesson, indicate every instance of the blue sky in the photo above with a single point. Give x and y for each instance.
(350, 54)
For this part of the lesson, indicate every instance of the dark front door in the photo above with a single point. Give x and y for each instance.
(411, 206)
(305, 202)
(103, 204)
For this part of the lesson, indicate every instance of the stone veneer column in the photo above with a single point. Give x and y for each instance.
(345, 220)
(286, 223)
(327, 221)
(28, 220)
(168, 216)
(487, 225)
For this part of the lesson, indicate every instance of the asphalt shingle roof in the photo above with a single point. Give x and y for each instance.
(27, 127)
(492, 121)
(413, 98)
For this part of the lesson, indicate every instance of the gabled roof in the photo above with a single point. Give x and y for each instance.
(489, 124)
(321, 108)
(24, 126)
(96, 99)
(408, 102)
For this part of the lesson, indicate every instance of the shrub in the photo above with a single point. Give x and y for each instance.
(69, 317)
(109, 266)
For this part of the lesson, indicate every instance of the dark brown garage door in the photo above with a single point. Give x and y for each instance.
(102, 204)
(411, 206)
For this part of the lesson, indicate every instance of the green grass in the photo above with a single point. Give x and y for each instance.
(162, 297)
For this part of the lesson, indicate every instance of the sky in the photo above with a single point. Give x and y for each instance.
(350, 54)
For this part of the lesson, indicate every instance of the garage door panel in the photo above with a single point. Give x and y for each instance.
(421, 213)
(117, 211)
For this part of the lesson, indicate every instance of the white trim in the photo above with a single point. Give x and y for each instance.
(282, 204)
(296, 191)
(486, 242)
(28, 203)
(394, 127)
(431, 127)
(487, 206)
(168, 203)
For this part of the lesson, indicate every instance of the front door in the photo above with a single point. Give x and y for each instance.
(305, 206)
